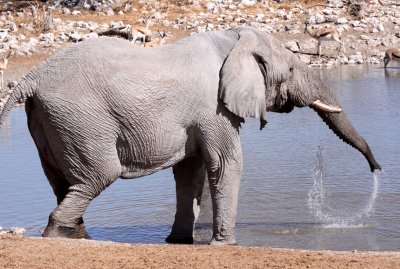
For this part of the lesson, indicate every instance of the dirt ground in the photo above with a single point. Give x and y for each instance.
(41, 253)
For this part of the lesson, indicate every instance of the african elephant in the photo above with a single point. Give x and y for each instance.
(103, 109)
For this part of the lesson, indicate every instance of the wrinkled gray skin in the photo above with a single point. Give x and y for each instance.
(105, 109)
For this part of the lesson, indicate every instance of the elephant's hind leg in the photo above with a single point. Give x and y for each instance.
(60, 188)
(189, 176)
(85, 183)
(66, 219)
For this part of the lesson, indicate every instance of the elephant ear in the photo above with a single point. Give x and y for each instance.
(242, 84)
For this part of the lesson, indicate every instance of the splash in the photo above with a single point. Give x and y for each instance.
(331, 218)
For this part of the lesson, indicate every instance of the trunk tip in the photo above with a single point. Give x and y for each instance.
(375, 167)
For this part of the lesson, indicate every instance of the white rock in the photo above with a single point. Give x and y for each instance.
(341, 21)
(90, 35)
(210, 6)
(342, 59)
(292, 46)
(304, 58)
(66, 11)
(319, 18)
(287, 16)
(364, 37)
(110, 12)
(294, 32)
(75, 37)
(356, 58)
(248, 3)
(280, 13)
(33, 41)
(311, 20)
(327, 11)
(335, 3)
(48, 37)
(18, 230)
(3, 33)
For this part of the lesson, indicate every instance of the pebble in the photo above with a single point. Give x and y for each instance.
(226, 13)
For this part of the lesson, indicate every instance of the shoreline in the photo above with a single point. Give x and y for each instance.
(32, 252)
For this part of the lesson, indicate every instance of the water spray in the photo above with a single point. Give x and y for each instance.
(318, 204)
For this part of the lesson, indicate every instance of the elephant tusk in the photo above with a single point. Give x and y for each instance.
(326, 108)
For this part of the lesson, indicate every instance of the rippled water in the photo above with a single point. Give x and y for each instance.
(279, 172)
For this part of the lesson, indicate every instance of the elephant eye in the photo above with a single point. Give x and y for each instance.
(291, 69)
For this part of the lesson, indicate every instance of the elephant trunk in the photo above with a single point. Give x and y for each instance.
(340, 125)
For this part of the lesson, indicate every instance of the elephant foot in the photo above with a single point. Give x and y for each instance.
(55, 230)
(171, 239)
(223, 241)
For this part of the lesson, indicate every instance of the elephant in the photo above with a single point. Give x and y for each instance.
(103, 109)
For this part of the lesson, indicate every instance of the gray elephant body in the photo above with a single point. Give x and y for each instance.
(103, 109)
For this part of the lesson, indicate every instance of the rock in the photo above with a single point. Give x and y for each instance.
(297, 10)
(280, 13)
(311, 20)
(66, 11)
(373, 42)
(255, 24)
(319, 18)
(18, 231)
(287, 16)
(210, 6)
(356, 58)
(90, 35)
(364, 37)
(307, 45)
(327, 11)
(341, 21)
(3, 34)
(74, 37)
(331, 18)
(75, 12)
(373, 60)
(33, 41)
(386, 43)
(335, 3)
(294, 32)
(248, 3)
(292, 46)
(48, 37)
(330, 62)
(342, 59)
(109, 12)
(304, 58)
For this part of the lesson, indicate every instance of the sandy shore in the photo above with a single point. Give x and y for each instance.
(23, 252)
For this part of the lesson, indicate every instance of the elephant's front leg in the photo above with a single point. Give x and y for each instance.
(189, 176)
(224, 173)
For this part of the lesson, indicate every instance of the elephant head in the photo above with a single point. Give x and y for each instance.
(260, 75)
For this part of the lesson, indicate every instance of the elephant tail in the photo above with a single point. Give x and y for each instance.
(20, 93)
